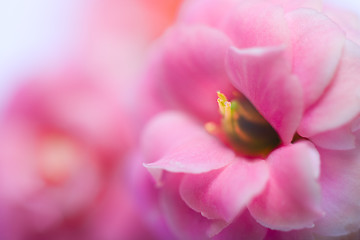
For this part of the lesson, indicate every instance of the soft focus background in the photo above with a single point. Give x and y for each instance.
(67, 70)
(37, 33)
(67, 73)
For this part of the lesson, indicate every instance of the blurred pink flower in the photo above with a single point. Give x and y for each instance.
(281, 159)
(63, 140)
(120, 33)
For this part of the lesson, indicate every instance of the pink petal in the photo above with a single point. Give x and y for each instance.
(317, 45)
(257, 24)
(189, 69)
(183, 221)
(351, 236)
(341, 102)
(141, 185)
(263, 76)
(339, 139)
(341, 190)
(291, 200)
(290, 5)
(303, 234)
(224, 193)
(188, 224)
(348, 21)
(176, 143)
(208, 12)
(243, 227)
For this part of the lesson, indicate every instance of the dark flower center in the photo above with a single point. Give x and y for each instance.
(244, 129)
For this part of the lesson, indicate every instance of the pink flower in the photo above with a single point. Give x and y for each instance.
(281, 159)
(119, 33)
(63, 140)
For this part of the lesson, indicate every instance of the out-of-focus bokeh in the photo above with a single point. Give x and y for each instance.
(67, 69)
(111, 34)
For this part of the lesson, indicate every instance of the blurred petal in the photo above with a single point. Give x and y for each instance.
(317, 45)
(257, 24)
(292, 198)
(224, 193)
(208, 12)
(290, 5)
(341, 190)
(341, 101)
(263, 76)
(348, 21)
(141, 185)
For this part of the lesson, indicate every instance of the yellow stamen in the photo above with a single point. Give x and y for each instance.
(225, 110)
(245, 129)
(222, 100)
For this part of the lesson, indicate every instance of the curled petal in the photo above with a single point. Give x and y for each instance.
(291, 200)
(182, 220)
(176, 143)
(224, 193)
(263, 76)
(317, 45)
(188, 224)
(340, 103)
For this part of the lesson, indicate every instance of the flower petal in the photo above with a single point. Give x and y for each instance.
(341, 190)
(243, 227)
(303, 234)
(256, 24)
(141, 185)
(182, 220)
(348, 21)
(317, 45)
(208, 12)
(290, 5)
(224, 193)
(263, 76)
(188, 224)
(189, 69)
(340, 139)
(291, 200)
(341, 102)
(176, 143)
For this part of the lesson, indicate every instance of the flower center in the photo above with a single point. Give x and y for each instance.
(58, 157)
(244, 129)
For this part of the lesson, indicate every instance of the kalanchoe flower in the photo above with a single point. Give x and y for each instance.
(278, 158)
